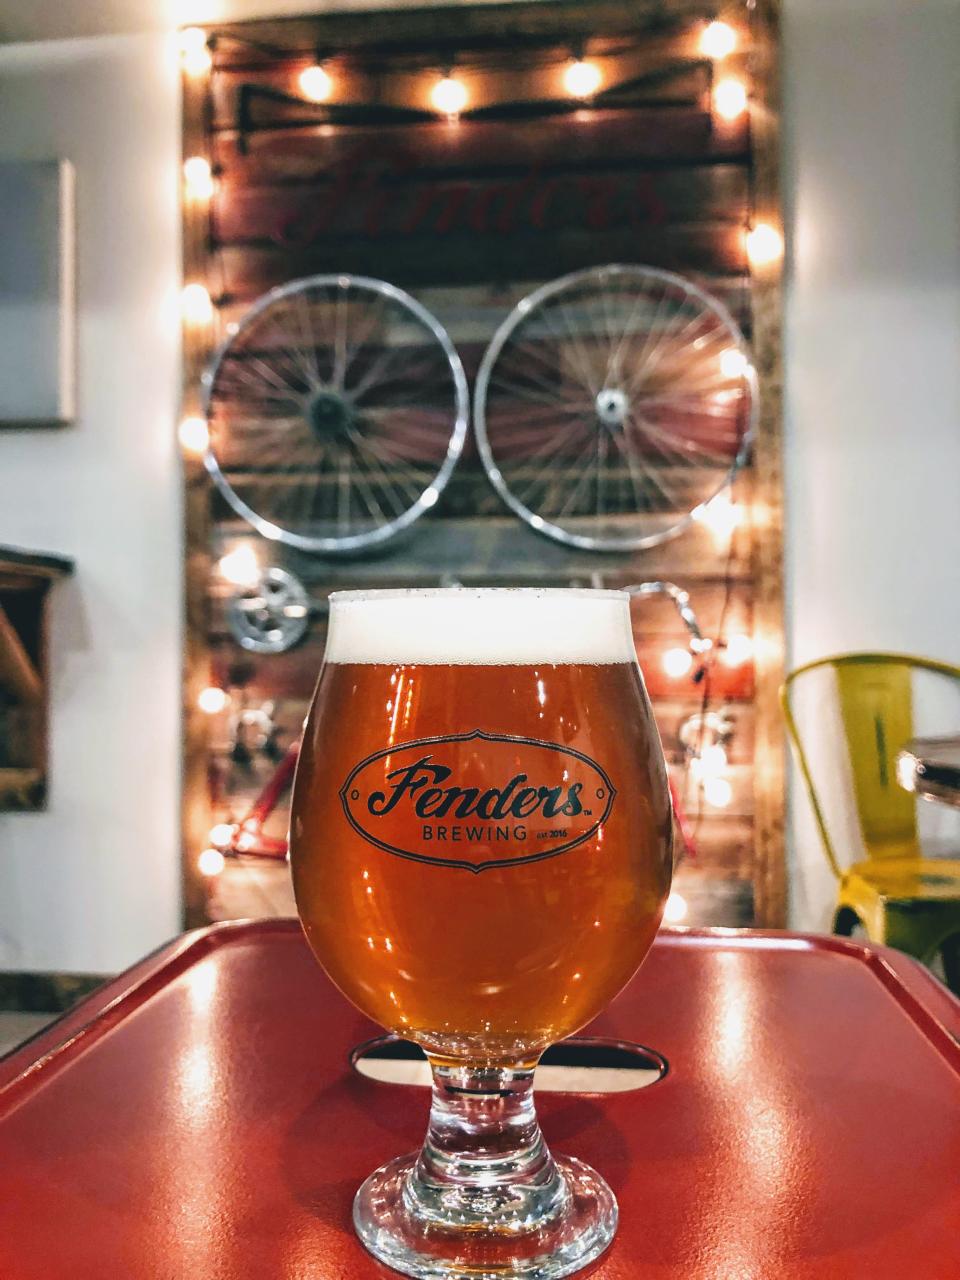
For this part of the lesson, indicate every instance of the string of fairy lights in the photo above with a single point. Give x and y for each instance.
(581, 78)
(447, 90)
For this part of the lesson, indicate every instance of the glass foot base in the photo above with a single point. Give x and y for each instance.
(477, 1244)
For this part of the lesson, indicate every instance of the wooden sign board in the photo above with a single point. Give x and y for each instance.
(470, 215)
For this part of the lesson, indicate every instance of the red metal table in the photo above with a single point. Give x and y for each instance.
(198, 1117)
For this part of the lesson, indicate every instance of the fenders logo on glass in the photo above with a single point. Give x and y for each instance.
(477, 800)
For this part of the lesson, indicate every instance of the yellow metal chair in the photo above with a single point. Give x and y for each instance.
(897, 860)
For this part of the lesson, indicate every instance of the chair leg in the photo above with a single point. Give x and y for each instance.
(950, 954)
(845, 921)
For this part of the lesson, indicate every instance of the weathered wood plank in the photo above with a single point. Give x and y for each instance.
(494, 548)
(435, 207)
(404, 205)
(471, 312)
(196, 346)
(440, 26)
(659, 69)
(614, 137)
(28, 568)
(294, 673)
(711, 248)
(713, 601)
(273, 493)
(769, 872)
(289, 712)
(18, 673)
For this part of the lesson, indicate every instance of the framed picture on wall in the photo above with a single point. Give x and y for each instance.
(37, 376)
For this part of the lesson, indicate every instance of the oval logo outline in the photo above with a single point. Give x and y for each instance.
(609, 796)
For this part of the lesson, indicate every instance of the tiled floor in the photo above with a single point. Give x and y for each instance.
(17, 1027)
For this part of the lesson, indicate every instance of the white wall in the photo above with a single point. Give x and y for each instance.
(93, 883)
(872, 111)
(54, 19)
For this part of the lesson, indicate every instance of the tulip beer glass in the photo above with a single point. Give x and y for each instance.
(481, 848)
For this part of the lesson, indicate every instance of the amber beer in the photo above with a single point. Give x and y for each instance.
(481, 830)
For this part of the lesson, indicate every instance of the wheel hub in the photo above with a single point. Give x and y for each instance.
(271, 616)
(612, 406)
(328, 415)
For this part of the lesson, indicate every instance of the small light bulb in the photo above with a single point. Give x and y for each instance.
(194, 53)
(718, 792)
(764, 245)
(449, 96)
(198, 177)
(194, 435)
(737, 650)
(733, 363)
(221, 836)
(677, 662)
(718, 40)
(582, 79)
(720, 516)
(710, 762)
(195, 304)
(907, 771)
(316, 83)
(211, 862)
(212, 700)
(675, 909)
(240, 567)
(730, 98)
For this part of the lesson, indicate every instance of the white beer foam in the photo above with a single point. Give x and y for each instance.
(480, 627)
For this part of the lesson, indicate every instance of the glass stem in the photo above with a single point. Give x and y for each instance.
(484, 1158)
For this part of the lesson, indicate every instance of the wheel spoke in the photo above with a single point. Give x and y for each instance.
(271, 376)
(530, 393)
(539, 462)
(383, 450)
(343, 493)
(385, 483)
(369, 497)
(376, 316)
(670, 333)
(553, 373)
(582, 471)
(652, 472)
(581, 352)
(603, 445)
(616, 361)
(306, 349)
(339, 340)
(554, 386)
(266, 392)
(639, 500)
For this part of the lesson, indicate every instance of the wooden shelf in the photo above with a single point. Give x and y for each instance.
(25, 580)
(28, 568)
(20, 788)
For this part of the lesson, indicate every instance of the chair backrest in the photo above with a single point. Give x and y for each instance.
(848, 716)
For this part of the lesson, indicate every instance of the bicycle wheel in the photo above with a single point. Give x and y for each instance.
(612, 403)
(337, 411)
